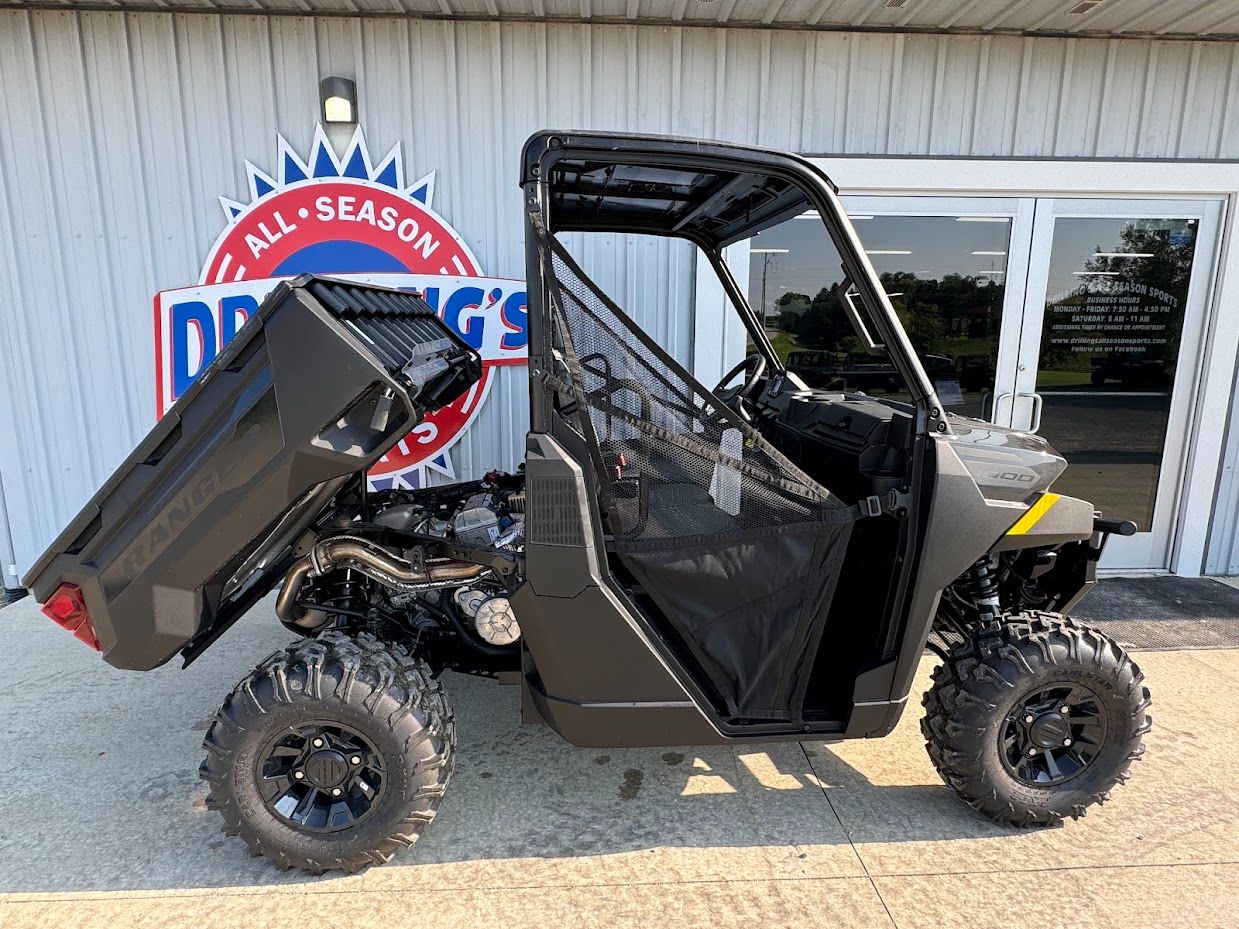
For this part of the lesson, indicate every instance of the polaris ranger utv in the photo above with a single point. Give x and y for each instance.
(675, 564)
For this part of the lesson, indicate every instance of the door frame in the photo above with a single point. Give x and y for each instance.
(1109, 179)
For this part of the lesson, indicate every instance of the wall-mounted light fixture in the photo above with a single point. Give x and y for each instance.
(339, 96)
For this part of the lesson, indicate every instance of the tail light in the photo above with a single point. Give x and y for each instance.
(67, 608)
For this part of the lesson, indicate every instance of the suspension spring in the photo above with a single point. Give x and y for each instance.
(983, 588)
(343, 591)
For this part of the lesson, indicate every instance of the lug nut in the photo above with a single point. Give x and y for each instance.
(298, 774)
(1028, 718)
(1064, 709)
(356, 759)
(1032, 751)
(318, 743)
(1066, 742)
(336, 791)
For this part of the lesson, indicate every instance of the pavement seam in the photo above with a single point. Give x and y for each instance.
(847, 832)
(17, 686)
(1119, 866)
(33, 896)
(87, 896)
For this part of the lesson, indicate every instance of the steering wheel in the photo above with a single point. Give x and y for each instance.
(737, 396)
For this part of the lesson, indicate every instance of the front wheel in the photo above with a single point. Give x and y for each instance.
(333, 754)
(1036, 722)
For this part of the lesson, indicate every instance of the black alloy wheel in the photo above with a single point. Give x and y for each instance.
(321, 777)
(1053, 734)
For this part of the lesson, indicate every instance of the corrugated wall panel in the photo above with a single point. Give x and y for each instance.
(1222, 555)
(122, 129)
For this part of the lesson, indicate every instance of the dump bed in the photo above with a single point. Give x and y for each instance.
(197, 523)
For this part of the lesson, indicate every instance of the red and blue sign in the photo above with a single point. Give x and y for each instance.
(347, 217)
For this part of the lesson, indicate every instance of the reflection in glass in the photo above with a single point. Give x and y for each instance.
(944, 275)
(1109, 342)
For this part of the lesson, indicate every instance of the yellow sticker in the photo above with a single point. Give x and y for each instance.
(1034, 514)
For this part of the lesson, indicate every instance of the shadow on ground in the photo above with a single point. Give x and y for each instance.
(100, 790)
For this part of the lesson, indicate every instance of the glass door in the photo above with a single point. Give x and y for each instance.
(955, 269)
(1105, 369)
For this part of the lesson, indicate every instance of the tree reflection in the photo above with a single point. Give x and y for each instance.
(951, 321)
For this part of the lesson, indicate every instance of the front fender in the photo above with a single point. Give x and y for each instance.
(1052, 519)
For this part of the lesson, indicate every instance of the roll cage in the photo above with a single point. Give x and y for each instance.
(712, 194)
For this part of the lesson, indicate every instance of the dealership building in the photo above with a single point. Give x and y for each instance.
(1047, 187)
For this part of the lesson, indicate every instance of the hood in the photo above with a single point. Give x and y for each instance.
(1007, 464)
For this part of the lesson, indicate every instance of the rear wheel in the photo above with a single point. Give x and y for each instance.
(1038, 721)
(332, 754)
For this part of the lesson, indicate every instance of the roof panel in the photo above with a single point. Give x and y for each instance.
(1131, 16)
(1178, 18)
(1216, 18)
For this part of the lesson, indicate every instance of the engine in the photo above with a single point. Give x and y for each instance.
(489, 517)
(492, 517)
(415, 566)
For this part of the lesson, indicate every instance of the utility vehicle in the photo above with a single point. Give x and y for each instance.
(676, 564)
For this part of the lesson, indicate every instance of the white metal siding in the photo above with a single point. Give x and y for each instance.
(121, 129)
(1222, 555)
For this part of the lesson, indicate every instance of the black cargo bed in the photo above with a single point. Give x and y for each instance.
(194, 526)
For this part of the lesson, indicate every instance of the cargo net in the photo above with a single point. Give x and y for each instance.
(736, 546)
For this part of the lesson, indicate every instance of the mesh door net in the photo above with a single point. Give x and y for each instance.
(736, 546)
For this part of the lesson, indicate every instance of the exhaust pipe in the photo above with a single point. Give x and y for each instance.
(374, 562)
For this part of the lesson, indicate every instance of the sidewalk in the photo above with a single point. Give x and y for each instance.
(102, 821)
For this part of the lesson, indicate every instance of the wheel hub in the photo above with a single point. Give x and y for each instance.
(1049, 730)
(1052, 734)
(326, 768)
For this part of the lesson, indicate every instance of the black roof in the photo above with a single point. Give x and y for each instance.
(711, 192)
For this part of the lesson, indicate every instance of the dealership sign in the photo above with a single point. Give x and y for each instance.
(347, 217)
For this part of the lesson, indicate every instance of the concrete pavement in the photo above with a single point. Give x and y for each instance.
(102, 819)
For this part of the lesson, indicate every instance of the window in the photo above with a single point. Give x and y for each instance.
(945, 276)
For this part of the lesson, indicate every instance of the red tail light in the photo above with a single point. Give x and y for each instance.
(67, 608)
